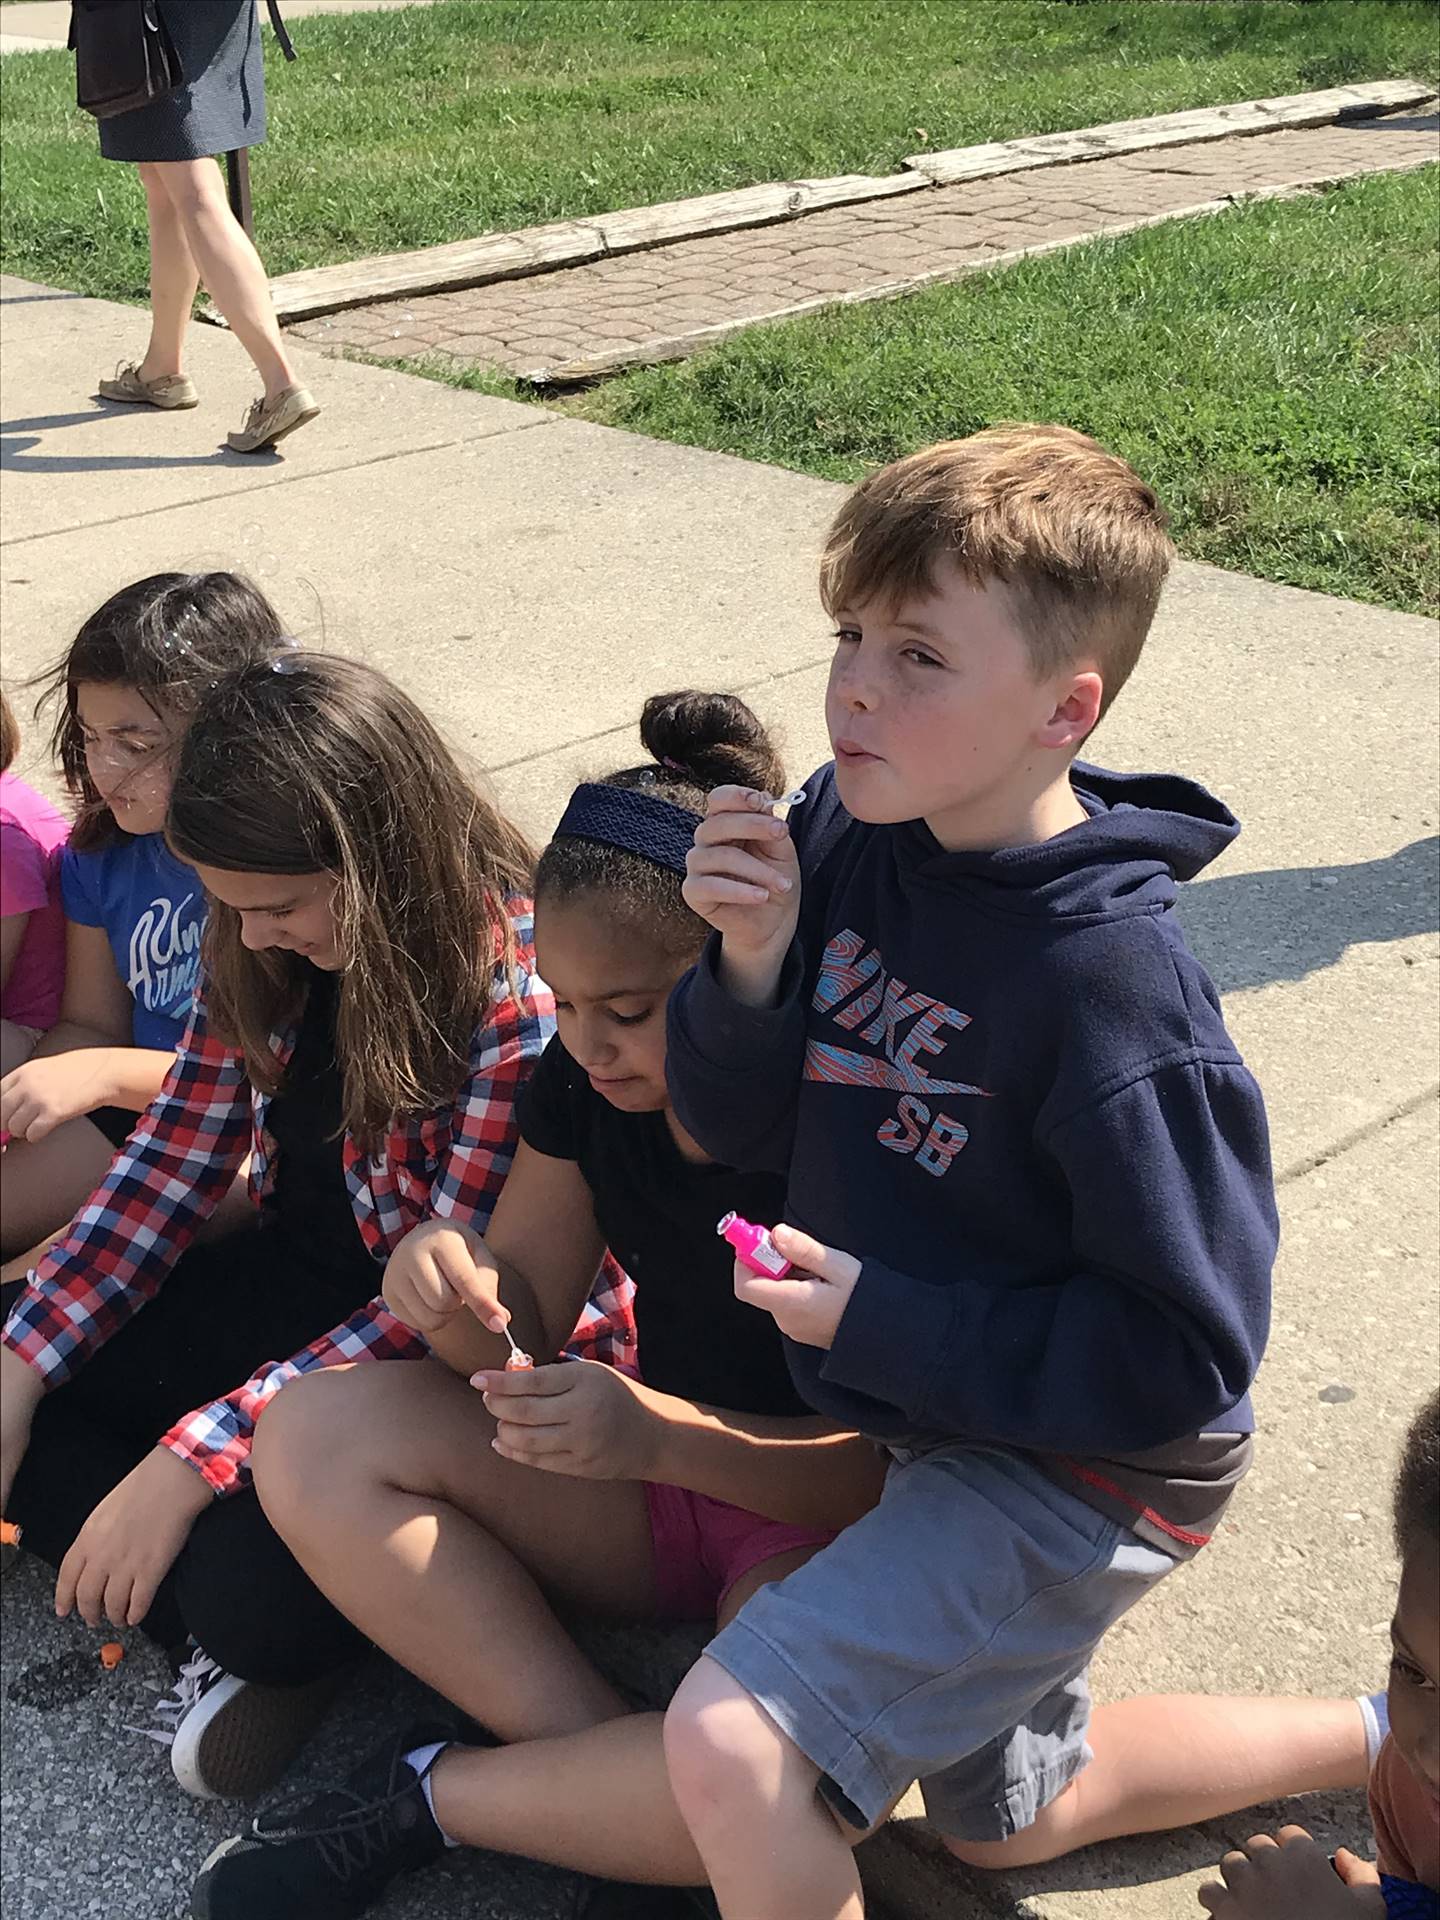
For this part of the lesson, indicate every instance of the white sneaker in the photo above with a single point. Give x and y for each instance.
(230, 1739)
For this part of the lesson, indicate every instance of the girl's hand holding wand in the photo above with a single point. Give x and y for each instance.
(577, 1417)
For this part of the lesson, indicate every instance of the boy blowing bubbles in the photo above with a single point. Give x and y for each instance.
(1029, 1178)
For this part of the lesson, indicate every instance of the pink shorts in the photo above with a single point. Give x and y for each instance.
(703, 1546)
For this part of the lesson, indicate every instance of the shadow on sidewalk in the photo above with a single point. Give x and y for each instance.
(1153, 1859)
(1251, 929)
(17, 437)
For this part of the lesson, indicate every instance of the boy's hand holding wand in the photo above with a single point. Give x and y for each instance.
(742, 876)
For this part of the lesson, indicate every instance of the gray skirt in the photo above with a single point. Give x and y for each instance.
(222, 103)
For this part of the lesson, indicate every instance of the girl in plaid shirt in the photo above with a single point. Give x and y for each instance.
(368, 1011)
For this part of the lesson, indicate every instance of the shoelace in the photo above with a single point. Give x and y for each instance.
(350, 1842)
(252, 418)
(193, 1681)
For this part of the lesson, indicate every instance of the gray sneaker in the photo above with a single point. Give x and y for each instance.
(270, 420)
(171, 390)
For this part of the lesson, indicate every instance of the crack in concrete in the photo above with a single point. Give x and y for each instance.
(1322, 1156)
(744, 690)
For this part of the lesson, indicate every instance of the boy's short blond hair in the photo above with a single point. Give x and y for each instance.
(1072, 531)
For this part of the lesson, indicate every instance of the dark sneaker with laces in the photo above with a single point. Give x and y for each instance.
(328, 1856)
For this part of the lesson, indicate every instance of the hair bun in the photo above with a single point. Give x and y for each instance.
(713, 739)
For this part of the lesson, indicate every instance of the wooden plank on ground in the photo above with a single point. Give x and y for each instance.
(954, 164)
(636, 227)
(461, 263)
(567, 243)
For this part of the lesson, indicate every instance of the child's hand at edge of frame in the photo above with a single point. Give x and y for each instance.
(1289, 1877)
(40, 1095)
(808, 1304)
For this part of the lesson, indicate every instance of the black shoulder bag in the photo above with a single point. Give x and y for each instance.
(125, 58)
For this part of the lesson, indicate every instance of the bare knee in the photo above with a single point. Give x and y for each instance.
(720, 1745)
(1031, 1847)
(192, 187)
(16, 1045)
(343, 1433)
(302, 1443)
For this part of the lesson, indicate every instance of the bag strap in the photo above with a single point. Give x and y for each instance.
(286, 44)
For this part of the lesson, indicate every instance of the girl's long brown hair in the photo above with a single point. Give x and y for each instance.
(317, 764)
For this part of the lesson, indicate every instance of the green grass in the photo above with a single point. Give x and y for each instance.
(397, 130)
(1271, 370)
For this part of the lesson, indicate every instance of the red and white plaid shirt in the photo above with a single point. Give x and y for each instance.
(181, 1159)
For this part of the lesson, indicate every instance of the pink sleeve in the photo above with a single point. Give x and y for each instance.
(24, 872)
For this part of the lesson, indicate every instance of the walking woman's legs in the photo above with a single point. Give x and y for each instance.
(174, 278)
(228, 264)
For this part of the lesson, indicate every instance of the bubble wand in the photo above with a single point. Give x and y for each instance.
(518, 1361)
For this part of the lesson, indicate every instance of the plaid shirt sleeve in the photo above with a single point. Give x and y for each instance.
(161, 1187)
(216, 1440)
(484, 1126)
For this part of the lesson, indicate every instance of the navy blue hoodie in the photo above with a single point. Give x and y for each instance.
(1002, 1081)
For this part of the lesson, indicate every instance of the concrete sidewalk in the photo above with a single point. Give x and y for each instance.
(33, 26)
(530, 578)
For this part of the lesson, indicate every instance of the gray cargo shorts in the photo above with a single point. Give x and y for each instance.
(945, 1638)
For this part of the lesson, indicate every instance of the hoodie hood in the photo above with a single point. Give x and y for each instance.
(1145, 831)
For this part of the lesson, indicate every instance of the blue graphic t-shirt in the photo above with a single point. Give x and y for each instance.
(152, 908)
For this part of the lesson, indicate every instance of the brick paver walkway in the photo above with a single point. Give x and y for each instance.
(663, 303)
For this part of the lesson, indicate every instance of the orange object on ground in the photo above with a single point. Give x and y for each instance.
(9, 1534)
(111, 1654)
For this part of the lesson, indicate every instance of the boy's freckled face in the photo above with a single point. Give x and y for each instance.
(611, 989)
(1415, 1671)
(932, 705)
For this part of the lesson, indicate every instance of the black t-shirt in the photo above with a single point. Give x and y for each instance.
(311, 1201)
(657, 1212)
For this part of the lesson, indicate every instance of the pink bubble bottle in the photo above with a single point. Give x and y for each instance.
(753, 1247)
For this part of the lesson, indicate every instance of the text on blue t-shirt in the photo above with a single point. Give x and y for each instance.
(152, 908)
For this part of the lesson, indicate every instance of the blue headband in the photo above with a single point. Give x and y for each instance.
(632, 820)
